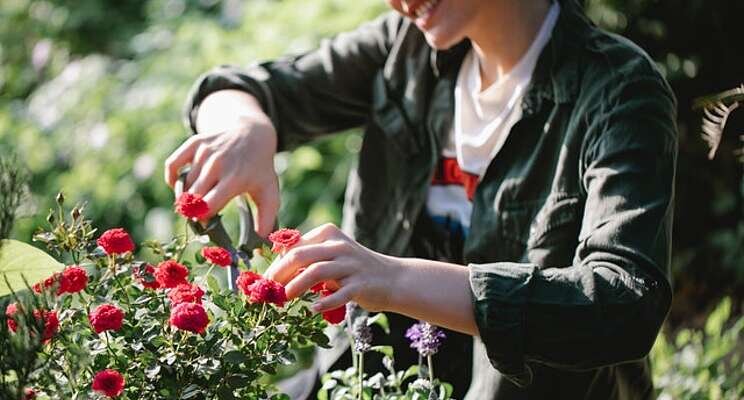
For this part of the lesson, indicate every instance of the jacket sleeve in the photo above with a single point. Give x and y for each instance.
(608, 306)
(325, 90)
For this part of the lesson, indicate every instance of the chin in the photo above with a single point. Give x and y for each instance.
(441, 41)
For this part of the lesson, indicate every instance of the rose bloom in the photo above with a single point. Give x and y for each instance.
(10, 313)
(48, 283)
(116, 241)
(192, 206)
(51, 322)
(186, 293)
(145, 275)
(74, 279)
(217, 256)
(245, 280)
(108, 382)
(106, 317)
(284, 239)
(170, 274)
(189, 317)
(29, 394)
(267, 291)
(336, 315)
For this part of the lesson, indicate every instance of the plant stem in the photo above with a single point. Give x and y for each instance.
(431, 369)
(361, 375)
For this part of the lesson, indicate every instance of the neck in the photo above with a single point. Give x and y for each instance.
(504, 34)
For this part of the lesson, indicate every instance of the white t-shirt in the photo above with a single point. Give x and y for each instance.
(483, 119)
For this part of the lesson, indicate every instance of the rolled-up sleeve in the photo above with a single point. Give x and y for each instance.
(608, 306)
(325, 90)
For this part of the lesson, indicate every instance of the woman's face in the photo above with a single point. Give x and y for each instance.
(443, 22)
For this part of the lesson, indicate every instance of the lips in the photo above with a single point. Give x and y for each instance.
(420, 8)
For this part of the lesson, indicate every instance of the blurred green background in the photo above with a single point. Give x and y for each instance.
(91, 94)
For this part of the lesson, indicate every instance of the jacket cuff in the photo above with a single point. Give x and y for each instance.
(500, 292)
(253, 80)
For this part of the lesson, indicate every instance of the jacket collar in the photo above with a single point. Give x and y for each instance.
(556, 73)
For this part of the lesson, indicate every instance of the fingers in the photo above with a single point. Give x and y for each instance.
(335, 300)
(301, 256)
(315, 273)
(218, 197)
(322, 233)
(182, 156)
(208, 177)
(267, 206)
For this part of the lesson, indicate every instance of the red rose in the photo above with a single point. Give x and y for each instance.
(217, 256)
(189, 317)
(145, 275)
(106, 317)
(170, 274)
(73, 280)
(245, 280)
(267, 291)
(186, 293)
(283, 239)
(10, 313)
(29, 394)
(108, 382)
(51, 323)
(335, 316)
(192, 206)
(116, 241)
(48, 283)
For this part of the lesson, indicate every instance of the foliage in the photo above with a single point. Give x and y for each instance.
(244, 340)
(417, 382)
(12, 182)
(702, 364)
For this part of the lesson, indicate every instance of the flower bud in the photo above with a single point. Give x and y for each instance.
(60, 198)
(75, 213)
(50, 217)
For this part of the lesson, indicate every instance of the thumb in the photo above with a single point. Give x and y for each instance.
(267, 207)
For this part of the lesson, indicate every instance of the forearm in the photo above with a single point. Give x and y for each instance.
(228, 109)
(435, 292)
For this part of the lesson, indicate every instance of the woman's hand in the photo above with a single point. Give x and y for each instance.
(232, 154)
(355, 272)
(422, 289)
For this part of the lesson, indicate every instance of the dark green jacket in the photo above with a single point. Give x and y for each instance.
(569, 244)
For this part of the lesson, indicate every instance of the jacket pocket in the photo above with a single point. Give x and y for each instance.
(544, 232)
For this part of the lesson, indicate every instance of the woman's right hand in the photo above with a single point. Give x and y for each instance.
(233, 154)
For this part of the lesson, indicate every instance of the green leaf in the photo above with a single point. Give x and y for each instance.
(212, 284)
(19, 260)
(235, 357)
(719, 316)
(381, 320)
(386, 350)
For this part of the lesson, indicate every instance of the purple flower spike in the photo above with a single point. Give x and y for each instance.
(425, 338)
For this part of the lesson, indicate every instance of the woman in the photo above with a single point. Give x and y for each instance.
(515, 183)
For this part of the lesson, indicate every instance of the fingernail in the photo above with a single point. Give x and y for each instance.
(315, 307)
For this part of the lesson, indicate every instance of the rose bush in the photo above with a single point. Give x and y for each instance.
(113, 326)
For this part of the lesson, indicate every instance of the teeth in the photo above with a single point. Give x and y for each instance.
(425, 8)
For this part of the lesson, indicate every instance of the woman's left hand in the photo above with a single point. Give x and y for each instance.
(355, 272)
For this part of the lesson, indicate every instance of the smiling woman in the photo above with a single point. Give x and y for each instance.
(518, 100)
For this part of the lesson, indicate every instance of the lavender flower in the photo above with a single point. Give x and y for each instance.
(356, 321)
(425, 338)
(362, 336)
